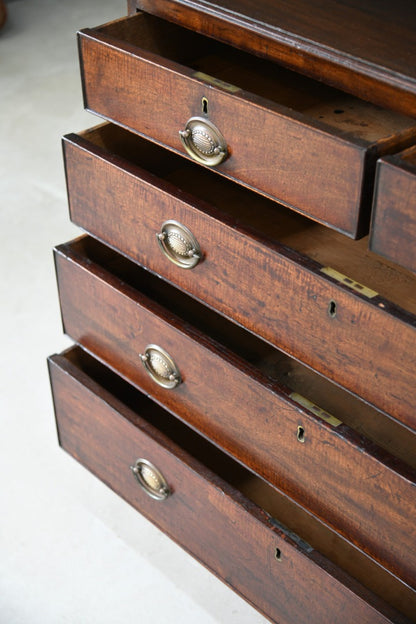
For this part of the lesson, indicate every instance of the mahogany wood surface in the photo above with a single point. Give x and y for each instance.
(366, 47)
(362, 492)
(147, 75)
(125, 203)
(393, 231)
(205, 513)
(290, 448)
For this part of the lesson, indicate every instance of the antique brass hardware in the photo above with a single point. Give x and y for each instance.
(203, 141)
(300, 434)
(160, 366)
(150, 479)
(332, 308)
(179, 244)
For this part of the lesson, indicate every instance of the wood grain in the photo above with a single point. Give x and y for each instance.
(204, 510)
(142, 73)
(393, 231)
(336, 474)
(334, 499)
(125, 205)
(364, 47)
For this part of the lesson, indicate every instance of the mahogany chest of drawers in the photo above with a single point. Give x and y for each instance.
(244, 303)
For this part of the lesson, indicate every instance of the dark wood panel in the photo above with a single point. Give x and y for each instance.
(236, 406)
(393, 232)
(345, 506)
(365, 47)
(321, 149)
(203, 511)
(125, 206)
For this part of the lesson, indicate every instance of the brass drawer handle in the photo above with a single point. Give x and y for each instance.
(160, 366)
(179, 244)
(203, 141)
(150, 479)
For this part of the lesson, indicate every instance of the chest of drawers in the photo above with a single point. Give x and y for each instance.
(245, 367)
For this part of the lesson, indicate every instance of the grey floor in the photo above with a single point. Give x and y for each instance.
(70, 550)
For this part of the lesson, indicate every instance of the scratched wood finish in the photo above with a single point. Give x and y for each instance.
(203, 511)
(125, 205)
(141, 73)
(231, 402)
(393, 232)
(364, 47)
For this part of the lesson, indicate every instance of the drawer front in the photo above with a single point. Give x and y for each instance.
(269, 289)
(393, 231)
(204, 514)
(322, 171)
(242, 411)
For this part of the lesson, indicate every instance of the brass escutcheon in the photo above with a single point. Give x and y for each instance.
(203, 141)
(179, 245)
(150, 479)
(160, 366)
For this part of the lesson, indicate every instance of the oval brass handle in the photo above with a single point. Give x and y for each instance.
(150, 479)
(160, 366)
(179, 244)
(203, 141)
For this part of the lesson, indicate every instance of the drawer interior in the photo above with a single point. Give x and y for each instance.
(309, 533)
(331, 107)
(287, 374)
(276, 224)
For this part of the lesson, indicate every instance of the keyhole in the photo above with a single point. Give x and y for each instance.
(278, 554)
(204, 105)
(301, 434)
(332, 309)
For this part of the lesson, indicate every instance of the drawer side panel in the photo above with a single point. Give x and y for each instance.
(393, 233)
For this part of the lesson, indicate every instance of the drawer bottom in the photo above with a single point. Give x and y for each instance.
(274, 553)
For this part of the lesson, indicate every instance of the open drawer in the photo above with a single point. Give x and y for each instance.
(270, 550)
(307, 145)
(275, 272)
(393, 231)
(286, 423)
